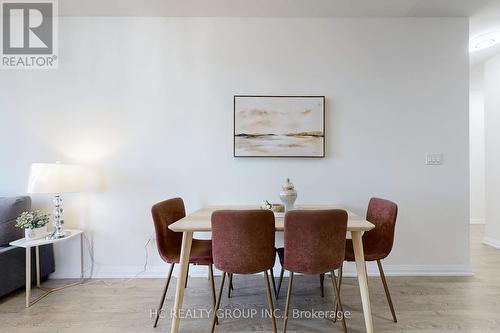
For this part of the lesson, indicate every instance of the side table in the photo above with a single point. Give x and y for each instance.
(28, 244)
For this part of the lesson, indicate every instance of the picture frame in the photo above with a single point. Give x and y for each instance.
(286, 126)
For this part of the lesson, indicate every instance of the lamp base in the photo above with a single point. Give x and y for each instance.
(57, 235)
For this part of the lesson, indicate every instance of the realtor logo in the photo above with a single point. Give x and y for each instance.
(29, 34)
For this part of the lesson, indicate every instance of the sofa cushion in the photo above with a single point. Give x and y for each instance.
(10, 209)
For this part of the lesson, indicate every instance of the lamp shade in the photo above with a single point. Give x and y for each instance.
(55, 178)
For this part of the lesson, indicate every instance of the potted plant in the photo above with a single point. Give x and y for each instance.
(34, 224)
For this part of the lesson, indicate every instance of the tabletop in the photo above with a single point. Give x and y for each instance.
(23, 242)
(200, 220)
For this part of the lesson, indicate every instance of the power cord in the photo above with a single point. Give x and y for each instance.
(90, 249)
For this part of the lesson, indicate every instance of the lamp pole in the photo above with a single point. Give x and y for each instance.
(58, 218)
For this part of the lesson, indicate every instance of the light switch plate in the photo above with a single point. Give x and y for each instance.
(433, 159)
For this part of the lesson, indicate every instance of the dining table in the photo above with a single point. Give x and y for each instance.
(200, 221)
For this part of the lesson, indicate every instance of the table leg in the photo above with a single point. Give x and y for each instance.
(81, 257)
(187, 239)
(37, 258)
(362, 279)
(28, 276)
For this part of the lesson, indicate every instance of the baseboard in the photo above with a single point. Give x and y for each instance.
(491, 242)
(412, 270)
(127, 272)
(477, 221)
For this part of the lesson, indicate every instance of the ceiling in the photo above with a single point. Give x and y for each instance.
(484, 14)
(485, 20)
(273, 8)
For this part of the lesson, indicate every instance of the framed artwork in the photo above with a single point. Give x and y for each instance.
(279, 126)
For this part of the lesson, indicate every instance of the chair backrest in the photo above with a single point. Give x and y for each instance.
(315, 240)
(243, 240)
(164, 214)
(377, 243)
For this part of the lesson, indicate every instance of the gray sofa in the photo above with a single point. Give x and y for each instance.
(13, 259)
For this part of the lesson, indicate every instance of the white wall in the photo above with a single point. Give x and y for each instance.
(492, 125)
(148, 102)
(476, 144)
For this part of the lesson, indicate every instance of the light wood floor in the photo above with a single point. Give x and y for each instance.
(464, 304)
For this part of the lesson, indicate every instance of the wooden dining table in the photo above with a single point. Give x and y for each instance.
(200, 221)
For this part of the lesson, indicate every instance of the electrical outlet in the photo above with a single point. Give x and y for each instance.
(433, 159)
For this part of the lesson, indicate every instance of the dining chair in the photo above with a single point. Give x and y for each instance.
(169, 244)
(378, 242)
(314, 244)
(243, 243)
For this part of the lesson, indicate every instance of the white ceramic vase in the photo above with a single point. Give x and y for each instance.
(288, 195)
(37, 233)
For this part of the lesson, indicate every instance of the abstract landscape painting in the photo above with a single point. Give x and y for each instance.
(279, 126)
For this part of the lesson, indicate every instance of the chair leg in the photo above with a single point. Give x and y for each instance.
(160, 307)
(187, 277)
(217, 304)
(212, 280)
(341, 270)
(270, 300)
(386, 288)
(288, 298)
(273, 282)
(339, 301)
(341, 273)
(279, 283)
(230, 285)
(321, 284)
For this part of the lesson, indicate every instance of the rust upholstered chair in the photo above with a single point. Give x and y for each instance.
(169, 243)
(314, 244)
(377, 243)
(243, 243)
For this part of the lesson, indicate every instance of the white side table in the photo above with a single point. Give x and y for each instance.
(27, 244)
